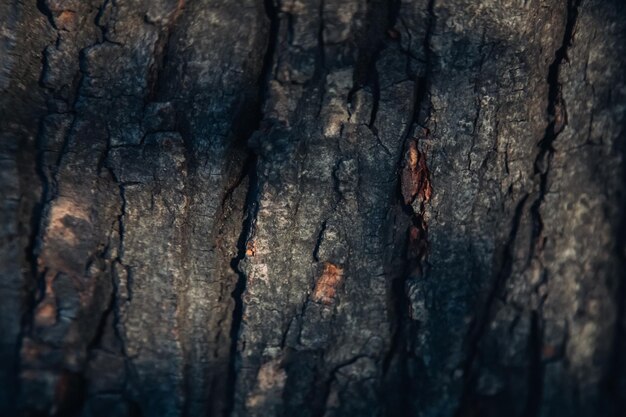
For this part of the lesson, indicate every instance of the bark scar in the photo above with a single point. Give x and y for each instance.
(326, 287)
(415, 180)
(251, 248)
(416, 191)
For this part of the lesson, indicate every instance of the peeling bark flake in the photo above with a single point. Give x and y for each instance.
(326, 287)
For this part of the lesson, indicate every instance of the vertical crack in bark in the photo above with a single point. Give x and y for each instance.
(319, 72)
(414, 191)
(121, 237)
(320, 59)
(379, 21)
(36, 223)
(251, 207)
(43, 8)
(103, 28)
(535, 377)
(557, 120)
(31, 279)
(48, 172)
(318, 242)
(482, 319)
(250, 214)
(157, 76)
(614, 379)
(48, 181)
(37, 217)
(423, 82)
(47, 176)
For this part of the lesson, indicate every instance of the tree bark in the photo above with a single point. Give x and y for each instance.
(312, 208)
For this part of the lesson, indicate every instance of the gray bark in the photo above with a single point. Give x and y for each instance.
(312, 208)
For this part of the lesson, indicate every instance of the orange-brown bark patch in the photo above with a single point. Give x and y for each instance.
(46, 311)
(46, 314)
(250, 248)
(415, 180)
(66, 20)
(326, 286)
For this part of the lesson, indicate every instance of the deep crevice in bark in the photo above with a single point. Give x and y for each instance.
(557, 120)
(557, 116)
(365, 75)
(422, 111)
(42, 6)
(614, 381)
(251, 207)
(416, 237)
(157, 77)
(535, 373)
(32, 279)
(482, 319)
(250, 212)
(318, 242)
(320, 58)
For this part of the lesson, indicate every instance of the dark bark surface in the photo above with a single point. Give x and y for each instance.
(312, 208)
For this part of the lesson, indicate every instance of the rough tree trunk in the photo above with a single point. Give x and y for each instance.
(312, 208)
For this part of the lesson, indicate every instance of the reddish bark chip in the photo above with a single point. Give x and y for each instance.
(45, 314)
(46, 311)
(66, 20)
(326, 286)
(250, 248)
(415, 179)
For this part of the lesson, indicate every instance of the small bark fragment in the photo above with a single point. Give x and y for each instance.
(415, 176)
(250, 248)
(326, 287)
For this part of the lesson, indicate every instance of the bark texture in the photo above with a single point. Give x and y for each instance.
(313, 208)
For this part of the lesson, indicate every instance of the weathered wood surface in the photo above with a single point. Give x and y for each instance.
(312, 208)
